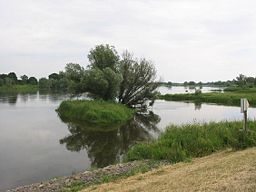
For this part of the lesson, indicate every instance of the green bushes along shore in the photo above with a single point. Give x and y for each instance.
(19, 89)
(179, 143)
(227, 98)
(94, 112)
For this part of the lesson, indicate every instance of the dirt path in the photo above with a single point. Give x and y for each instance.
(224, 171)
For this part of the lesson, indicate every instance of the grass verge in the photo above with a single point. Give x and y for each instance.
(179, 143)
(227, 98)
(19, 89)
(100, 113)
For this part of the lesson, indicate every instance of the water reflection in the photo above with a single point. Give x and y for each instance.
(105, 147)
(10, 98)
(198, 105)
(24, 97)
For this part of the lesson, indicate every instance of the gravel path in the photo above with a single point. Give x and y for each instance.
(87, 177)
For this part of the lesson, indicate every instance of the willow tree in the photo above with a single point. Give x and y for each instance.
(138, 84)
(127, 79)
(103, 78)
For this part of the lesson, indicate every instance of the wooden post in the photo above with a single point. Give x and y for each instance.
(245, 120)
(244, 109)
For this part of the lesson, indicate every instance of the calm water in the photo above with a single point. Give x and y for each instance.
(36, 145)
(180, 89)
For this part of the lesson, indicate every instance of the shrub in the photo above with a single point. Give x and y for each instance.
(178, 143)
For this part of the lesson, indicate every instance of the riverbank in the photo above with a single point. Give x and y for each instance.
(226, 98)
(222, 171)
(78, 181)
(181, 142)
(177, 144)
(23, 89)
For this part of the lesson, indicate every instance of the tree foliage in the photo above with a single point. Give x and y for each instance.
(54, 76)
(13, 76)
(74, 72)
(103, 56)
(43, 83)
(129, 80)
(11, 79)
(138, 84)
(24, 79)
(32, 81)
(102, 78)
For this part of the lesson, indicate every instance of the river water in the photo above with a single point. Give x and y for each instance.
(35, 145)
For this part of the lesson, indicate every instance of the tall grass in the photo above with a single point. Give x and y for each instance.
(94, 112)
(228, 98)
(241, 89)
(19, 89)
(179, 143)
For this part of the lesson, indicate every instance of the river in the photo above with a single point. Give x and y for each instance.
(35, 145)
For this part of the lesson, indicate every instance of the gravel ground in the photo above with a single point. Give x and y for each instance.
(87, 178)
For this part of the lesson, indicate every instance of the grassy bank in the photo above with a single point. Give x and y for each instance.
(224, 171)
(227, 98)
(179, 143)
(100, 113)
(19, 89)
(241, 89)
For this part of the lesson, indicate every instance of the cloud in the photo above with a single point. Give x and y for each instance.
(198, 40)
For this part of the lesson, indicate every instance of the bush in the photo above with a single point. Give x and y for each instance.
(228, 98)
(178, 143)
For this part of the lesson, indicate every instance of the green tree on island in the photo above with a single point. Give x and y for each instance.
(103, 79)
(138, 84)
(108, 76)
(127, 79)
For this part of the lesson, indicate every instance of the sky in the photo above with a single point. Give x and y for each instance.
(200, 40)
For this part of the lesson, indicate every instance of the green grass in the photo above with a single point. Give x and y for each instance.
(179, 143)
(241, 89)
(227, 98)
(19, 89)
(99, 113)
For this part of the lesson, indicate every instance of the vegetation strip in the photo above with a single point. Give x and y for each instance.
(179, 143)
(19, 89)
(227, 98)
(100, 113)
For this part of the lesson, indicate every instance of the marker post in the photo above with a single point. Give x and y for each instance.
(244, 109)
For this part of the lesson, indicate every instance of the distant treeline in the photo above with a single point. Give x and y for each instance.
(240, 81)
(62, 81)
(11, 79)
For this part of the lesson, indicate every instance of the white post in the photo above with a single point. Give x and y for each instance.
(244, 108)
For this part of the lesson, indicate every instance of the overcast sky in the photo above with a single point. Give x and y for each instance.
(201, 40)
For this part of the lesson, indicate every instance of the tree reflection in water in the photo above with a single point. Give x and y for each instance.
(10, 98)
(107, 146)
(198, 105)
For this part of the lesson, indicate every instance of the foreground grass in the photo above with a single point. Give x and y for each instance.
(19, 89)
(227, 98)
(141, 167)
(224, 171)
(179, 143)
(94, 112)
